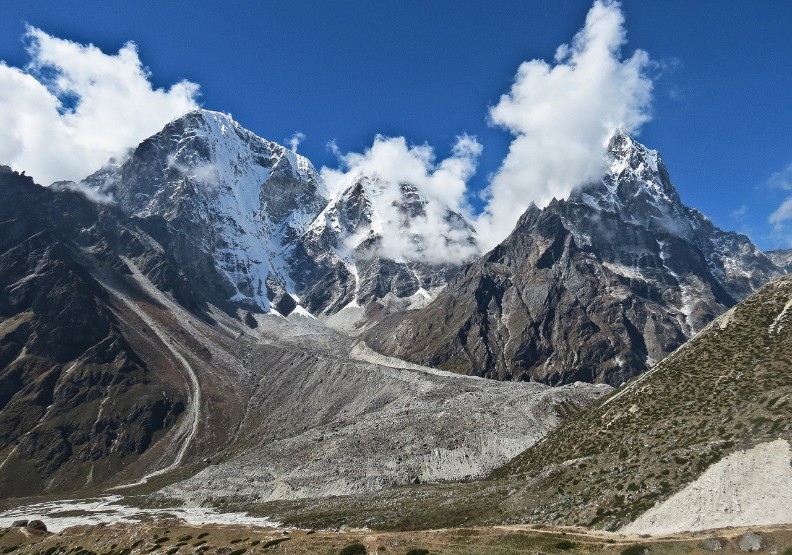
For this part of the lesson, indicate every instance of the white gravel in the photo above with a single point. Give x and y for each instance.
(59, 515)
(747, 488)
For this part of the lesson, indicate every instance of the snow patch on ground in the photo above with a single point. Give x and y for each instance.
(59, 515)
(777, 324)
(747, 488)
(626, 271)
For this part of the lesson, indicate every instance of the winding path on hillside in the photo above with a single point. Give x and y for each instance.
(188, 427)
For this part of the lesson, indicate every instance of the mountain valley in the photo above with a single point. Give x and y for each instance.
(206, 324)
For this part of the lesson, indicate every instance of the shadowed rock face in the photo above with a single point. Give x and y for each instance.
(76, 399)
(595, 288)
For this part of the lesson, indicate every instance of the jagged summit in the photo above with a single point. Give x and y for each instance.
(597, 287)
(374, 241)
(238, 199)
(627, 157)
(636, 183)
(362, 213)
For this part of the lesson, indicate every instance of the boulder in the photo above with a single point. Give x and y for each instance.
(37, 525)
(751, 541)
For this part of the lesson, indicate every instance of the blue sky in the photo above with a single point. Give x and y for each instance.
(429, 71)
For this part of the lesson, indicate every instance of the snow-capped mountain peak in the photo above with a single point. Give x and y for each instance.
(240, 199)
(256, 216)
(637, 188)
(630, 160)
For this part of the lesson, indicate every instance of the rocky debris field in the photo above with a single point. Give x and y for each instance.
(330, 417)
(747, 487)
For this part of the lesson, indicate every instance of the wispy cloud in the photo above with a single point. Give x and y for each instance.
(740, 213)
(73, 107)
(781, 179)
(782, 215)
(295, 140)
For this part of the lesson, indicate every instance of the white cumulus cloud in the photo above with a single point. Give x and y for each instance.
(562, 115)
(388, 164)
(73, 107)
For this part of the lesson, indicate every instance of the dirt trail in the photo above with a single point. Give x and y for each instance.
(362, 352)
(189, 422)
(180, 537)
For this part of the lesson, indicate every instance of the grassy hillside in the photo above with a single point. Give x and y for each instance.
(175, 538)
(730, 388)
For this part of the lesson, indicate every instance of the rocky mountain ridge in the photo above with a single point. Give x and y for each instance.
(781, 258)
(608, 282)
(598, 287)
(84, 392)
(254, 224)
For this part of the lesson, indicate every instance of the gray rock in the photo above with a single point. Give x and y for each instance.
(781, 258)
(326, 283)
(751, 541)
(37, 525)
(712, 544)
(50, 245)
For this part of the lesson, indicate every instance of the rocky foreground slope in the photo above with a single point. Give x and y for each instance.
(598, 287)
(728, 389)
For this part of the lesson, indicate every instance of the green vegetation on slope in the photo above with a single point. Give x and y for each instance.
(730, 388)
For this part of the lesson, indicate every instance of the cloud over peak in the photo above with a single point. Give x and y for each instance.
(73, 107)
(561, 115)
(391, 162)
